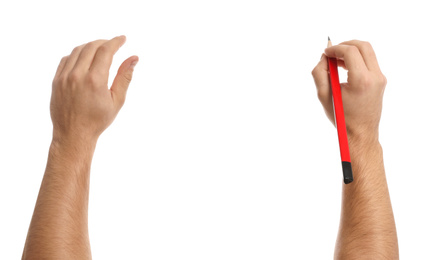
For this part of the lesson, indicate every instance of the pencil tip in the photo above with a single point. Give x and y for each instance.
(328, 38)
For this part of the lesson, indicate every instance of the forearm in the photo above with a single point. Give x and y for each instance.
(367, 229)
(59, 227)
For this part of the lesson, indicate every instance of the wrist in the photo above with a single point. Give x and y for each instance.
(363, 141)
(364, 146)
(363, 138)
(73, 138)
(73, 146)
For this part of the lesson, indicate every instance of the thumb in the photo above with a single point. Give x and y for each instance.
(122, 80)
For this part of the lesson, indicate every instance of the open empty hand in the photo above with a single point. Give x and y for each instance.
(82, 105)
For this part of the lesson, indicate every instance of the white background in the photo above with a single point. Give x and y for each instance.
(222, 150)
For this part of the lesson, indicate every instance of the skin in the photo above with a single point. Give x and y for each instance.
(367, 228)
(82, 107)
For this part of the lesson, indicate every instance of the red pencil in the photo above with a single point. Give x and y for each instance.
(340, 119)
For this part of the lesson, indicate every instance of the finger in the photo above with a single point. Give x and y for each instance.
(367, 53)
(341, 63)
(87, 55)
(350, 55)
(73, 57)
(104, 55)
(61, 66)
(122, 80)
(322, 83)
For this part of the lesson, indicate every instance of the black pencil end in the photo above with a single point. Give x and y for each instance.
(347, 172)
(329, 38)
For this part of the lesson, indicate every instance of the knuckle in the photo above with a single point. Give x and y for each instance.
(90, 45)
(365, 81)
(55, 82)
(314, 72)
(103, 48)
(318, 71)
(382, 80)
(366, 45)
(93, 78)
(99, 42)
(321, 95)
(352, 50)
(60, 80)
(73, 76)
(77, 49)
(366, 48)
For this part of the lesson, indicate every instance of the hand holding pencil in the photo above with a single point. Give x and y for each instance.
(361, 94)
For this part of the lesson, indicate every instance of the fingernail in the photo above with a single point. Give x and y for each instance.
(133, 64)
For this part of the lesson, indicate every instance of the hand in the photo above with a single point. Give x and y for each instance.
(82, 105)
(361, 95)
